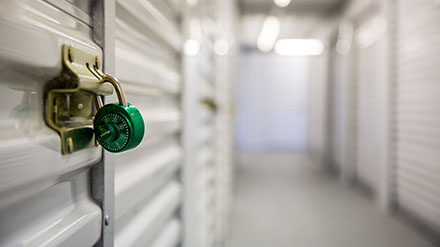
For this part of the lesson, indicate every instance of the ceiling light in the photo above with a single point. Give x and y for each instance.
(191, 47)
(343, 47)
(299, 47)
(221, 47)
(191, 2)
(345, 38)
(269, 34)
(372, 32)
(282, 3)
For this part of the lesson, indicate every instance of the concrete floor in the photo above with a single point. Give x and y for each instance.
(284, 200)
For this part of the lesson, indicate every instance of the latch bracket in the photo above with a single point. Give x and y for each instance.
(69, 99)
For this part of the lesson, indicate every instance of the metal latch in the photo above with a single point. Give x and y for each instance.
(210, 104)
(71, 99)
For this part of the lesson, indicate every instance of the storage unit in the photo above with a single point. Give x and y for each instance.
(392, 143)
(417, 114)
(52, 199)
(208, 127)
(46, 197)
(225, 69)
(317, 109)
(360, 102)
(200, 104)
(338, 106)
(343, 102)
(200, 170)
(371, 82)
(148, 190)
(343, 145)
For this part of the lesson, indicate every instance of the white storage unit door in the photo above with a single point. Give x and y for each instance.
(371, 85)
(352, 112)
(45, 197)
(207, 135)
(418, 109)
(317, 108)
(224, 69)
(148, 191)
(205, 162)
(340, 106)
(337, 94)
(224, 153)
(200, 208)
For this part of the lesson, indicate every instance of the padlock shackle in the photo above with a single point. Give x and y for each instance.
(119, 91)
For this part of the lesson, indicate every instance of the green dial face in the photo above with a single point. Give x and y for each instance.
(113, 132)
(118, 128)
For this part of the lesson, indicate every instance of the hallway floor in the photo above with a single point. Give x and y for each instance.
(284, 200)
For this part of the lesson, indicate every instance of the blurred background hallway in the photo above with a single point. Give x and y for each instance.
(283, 199)
(267, 123)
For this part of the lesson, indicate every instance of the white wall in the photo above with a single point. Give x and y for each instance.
(271, 100)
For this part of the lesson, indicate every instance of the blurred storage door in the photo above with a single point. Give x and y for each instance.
(45, 197)
(337, 108)
(371, 122)
(418, 109)
(204, 169)
(199, 175)
(203, 189)
(147, 188)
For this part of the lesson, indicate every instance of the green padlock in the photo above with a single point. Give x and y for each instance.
(118, 126)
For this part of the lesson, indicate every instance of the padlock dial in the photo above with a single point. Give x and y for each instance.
(118, 128)
(114, 132)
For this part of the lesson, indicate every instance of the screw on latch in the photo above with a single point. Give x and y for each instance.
(107, 220)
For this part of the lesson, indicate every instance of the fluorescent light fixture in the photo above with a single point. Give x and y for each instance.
(282, 3)
(221, 47)
(372, 32)
(345, 38)
(191, 2)
(269, 34)
(299, 47)
(343, 47)
(191, 47)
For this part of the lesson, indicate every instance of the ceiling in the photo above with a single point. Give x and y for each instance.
(296, 6)
(301, 19)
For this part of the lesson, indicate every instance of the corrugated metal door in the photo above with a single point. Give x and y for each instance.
(417, 109)
(317, 107)
(200, 106)
(45, 196)
(371, 101)
(336, 110)
(148, 191)
(200, 163)
(224, 150)
(224, 77)
(352, 112)
(341, 99)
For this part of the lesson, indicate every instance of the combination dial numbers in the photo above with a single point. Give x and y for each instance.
(120, 129)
